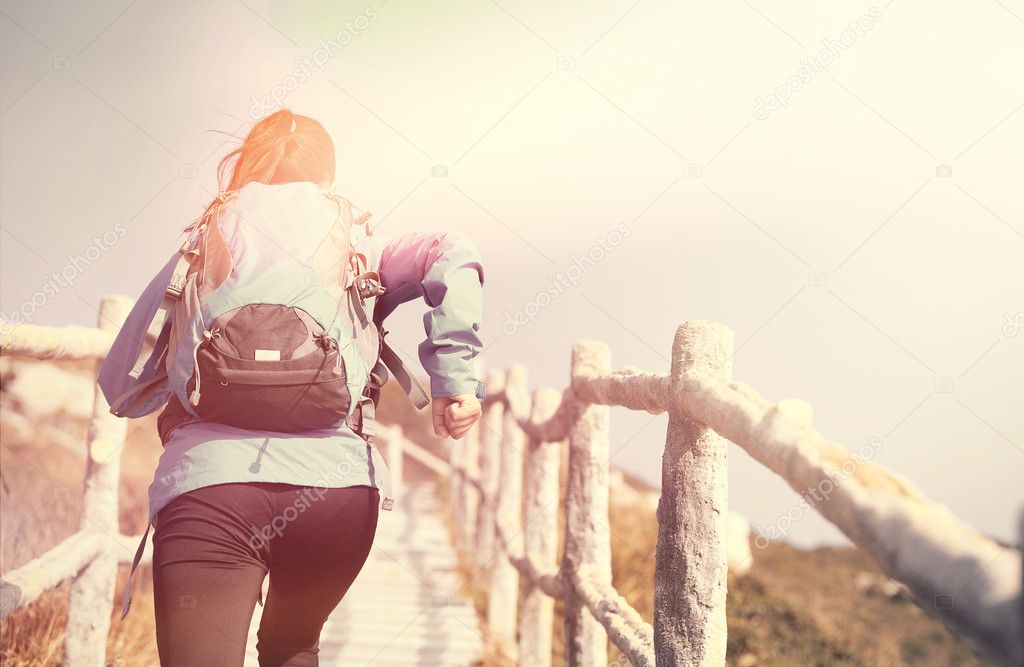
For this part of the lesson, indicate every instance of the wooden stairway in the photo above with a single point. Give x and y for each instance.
(405, 607)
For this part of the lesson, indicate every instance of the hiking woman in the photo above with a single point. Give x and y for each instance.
(262, 346)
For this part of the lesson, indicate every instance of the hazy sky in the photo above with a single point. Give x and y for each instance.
(862, 229)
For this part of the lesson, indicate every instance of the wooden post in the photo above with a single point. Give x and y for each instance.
(691, 567)
(587, 538)
(92, 592)
(503, 600)
(456, 478)
(468, 500)
(540, 516)
(490, 462)
(396, 458)
(465, 475)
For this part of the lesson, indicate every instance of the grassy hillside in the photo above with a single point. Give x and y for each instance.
(798, 607)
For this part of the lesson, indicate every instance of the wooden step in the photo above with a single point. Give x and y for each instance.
(406, 607)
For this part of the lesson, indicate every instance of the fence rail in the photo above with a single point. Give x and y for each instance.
(969, 580)
(504, 479)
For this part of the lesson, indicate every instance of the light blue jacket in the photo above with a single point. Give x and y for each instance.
(443, 268)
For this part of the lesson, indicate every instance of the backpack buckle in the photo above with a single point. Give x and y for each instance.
(176, 285)
(368, 284)
(362, 419)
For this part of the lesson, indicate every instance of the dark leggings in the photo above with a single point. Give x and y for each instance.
(212, 548)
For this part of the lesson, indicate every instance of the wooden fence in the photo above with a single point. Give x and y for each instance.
(505, 486)
(91, 556)
(505, 489)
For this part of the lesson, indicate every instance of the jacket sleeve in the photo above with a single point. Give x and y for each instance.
(445, 269)
(114, 379)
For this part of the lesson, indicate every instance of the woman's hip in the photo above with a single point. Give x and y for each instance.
(263, 522)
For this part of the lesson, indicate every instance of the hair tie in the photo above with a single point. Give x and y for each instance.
(292, 131)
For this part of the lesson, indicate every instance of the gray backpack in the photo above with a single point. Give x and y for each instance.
(271, 325)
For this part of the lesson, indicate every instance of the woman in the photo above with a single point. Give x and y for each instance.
(231, 504)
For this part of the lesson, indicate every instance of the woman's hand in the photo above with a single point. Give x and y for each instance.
(454, 415)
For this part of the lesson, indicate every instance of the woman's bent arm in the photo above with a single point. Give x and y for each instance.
(445, 269)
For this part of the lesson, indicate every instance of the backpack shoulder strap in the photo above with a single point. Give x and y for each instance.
(171, 295)
(416, 392)
(176, 285)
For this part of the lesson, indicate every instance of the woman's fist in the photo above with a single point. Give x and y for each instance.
(453, 415)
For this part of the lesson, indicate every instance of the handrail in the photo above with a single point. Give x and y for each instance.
(627, 630)
(22, 586)
(68, 342)
(913, 540)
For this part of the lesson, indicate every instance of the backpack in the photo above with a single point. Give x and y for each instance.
(270, 318)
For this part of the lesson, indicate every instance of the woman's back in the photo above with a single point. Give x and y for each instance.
(266, 455)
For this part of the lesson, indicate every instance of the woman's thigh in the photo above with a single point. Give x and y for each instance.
(317, 544)
(207, 574)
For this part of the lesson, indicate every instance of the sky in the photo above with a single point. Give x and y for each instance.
(839, 183)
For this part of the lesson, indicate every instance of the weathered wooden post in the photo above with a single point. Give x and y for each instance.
(466, 497)
(691, 567)
(540, 514)
(468, 500)
(490, 462)
(456, 478)
(92, 592)
(395, 439)
(503, 598)
(587, 539)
